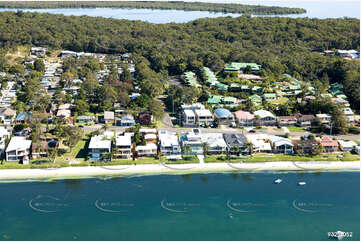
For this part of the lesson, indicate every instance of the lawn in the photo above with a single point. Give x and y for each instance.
(79, 152)
(187, 159)
(262, 157)
(295, 129)
(281, 100)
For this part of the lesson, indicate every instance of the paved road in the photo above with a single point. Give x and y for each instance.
(224, 130)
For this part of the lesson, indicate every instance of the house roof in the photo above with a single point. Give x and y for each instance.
(243, 115)
(346, 144)
(223, 113)
(99, 142)
(108, 115)
(235, 139)
(213, 139)
(7, 112)
(290, 118)
(189, 113)
(18, 143)
(167, 138)
(326, 141)
(149, 146)
(123, 140)
(203, 112)
(264, 114)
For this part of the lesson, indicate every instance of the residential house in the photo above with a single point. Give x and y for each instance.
(256, 99)
(63, 113)
(240, 67)
(123, 146)
(145, 118)
(38, 51)
(126, 120)
(269, 96)
(23, 117)
(192, 107)
(305, 120)
(250, 77)
(286, 120)
(281, 145)
(265, 118)
(260, 142)
(193, 140)
(306, 145)
(346, 145)
(329, 144)
(237, 140)
(244, 118)
(108, 117)
(188, 118)
(224, 116)
(39, 149)
(169, 144)
(99, 145)
(7, 116)
(324, 118)
(18, 150)
(203, 116)
(349, 115)
(215, 141)
(86, 119)
(150, 149)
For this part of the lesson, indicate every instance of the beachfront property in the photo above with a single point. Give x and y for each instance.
(169, 145)
(306, 145)
(223, 116)
(193, 141)
(149, 149)
(215, 142)
(281, 145)
(99, 146)
(18, 150)
(264, 118)
(244, 118)
(237, 144)
(39, 149)
(260, 142)
(346, 146)
(123, 146)
(329, 145)
(324, 118)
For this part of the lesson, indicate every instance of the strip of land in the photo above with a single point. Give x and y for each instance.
(187, 6)
(154, 169)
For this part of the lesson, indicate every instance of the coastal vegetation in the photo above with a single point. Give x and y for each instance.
(178, 5)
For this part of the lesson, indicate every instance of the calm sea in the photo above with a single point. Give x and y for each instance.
(315, 9)
(234, 206)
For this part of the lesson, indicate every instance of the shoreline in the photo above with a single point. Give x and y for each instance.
(26, 175)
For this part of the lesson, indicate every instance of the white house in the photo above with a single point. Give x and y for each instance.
(149, 149)
(123, 146)
(99, 145)
(169, 144)
(203, 116)
(349, 115)
(215, 141)
(324, 118)
(260, 142)
(346, 145)
(7, 115)
(194, 141)
(265, 118)
(281, 145)
(188, 118)
(18, 150)
(4, 134)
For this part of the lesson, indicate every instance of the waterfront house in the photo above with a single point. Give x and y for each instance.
(244, 118)
(18, 150)
(237, 140)
(305, 120)
(286, 120)
(126, 120)
(203, 116)
(329, 144)
(324, 118)
(123, 146)
(281, 145)
(150, 149)
(39, 149)
(169, 144)
(346, 145)
(215, 141)
(188, 118)
(306, 145)
(108, 117)
(193, 140)
(265, 118)
(260, 142)
(7, 116)
(224, 116)
(99, 145)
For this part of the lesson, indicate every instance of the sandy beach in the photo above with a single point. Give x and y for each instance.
(154, 169)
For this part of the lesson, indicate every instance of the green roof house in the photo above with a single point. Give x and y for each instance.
(236, 66)
(269, 96)
(229, 100)
(221, 86)
(214, 99)
(255, 98)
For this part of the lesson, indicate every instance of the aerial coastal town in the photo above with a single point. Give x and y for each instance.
(70, 108)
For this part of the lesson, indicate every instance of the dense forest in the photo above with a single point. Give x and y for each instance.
(280, 45)
(178, 5)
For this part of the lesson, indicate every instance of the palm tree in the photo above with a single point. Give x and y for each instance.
(205, 148)
(249, 146)
(186, 149)
(235, 149)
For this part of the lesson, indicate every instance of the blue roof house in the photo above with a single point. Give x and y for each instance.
(224, 116)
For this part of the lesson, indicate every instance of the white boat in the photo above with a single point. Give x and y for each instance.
(302, 183)
(278, 181)
(338, 235)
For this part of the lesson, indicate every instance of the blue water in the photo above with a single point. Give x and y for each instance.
(188, 207)
(315, 9)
